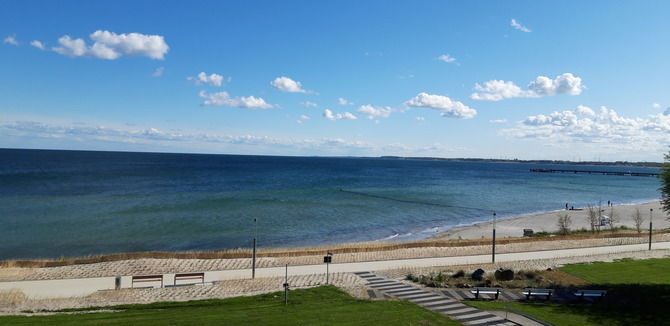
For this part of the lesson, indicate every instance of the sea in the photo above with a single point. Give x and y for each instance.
(56, 203)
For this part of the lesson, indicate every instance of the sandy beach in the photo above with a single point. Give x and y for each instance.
(13, 301)
(546, 222)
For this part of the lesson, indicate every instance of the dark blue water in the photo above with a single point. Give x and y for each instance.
(71, 203)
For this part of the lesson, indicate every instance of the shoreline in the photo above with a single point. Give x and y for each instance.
(546, 222)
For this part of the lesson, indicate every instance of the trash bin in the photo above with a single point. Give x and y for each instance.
(117, 283)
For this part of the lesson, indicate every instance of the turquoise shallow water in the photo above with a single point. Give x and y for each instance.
(67, 203)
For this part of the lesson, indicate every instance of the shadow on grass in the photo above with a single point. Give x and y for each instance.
(626, 304)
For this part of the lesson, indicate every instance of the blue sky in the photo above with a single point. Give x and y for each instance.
(571, 80)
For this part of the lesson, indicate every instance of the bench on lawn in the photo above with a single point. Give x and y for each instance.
(538, 292)
(147, 278)
(590, 293)
(478, 291)
(189, 276)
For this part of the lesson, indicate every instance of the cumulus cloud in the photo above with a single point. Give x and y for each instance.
(37, 44)
(342, 101)
(288, 85)
(514, 23)
(496, 90)
(584, 110)
(11, 39)
(310, 104)
(375, 111)
(656, 106)
(446, 58)
(224, 99)
(585, 126)
(445, 105)
(203, 79)
(328, 114)
(110, 46)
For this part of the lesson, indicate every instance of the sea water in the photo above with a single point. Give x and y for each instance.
(74, 203)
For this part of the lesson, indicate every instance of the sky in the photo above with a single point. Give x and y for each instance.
(568, 80)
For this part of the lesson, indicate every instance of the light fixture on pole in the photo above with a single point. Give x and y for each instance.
(253, 255)
(327, 259)
(493, 254)
(651, 210)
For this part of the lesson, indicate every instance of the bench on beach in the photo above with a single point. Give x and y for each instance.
(146, 278)
(538, 292)
(478, 291)
(590, 293)
(189, 276)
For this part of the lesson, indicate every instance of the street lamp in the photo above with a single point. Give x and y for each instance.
(253, 255)
(327, 259)
(493, 255)
(650, 211)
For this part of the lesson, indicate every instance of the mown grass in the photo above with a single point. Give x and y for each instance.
(638, 294)
(325, 305)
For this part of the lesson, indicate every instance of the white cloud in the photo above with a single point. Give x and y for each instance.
(302, 118)
(498, 121)
(496, 90)
(224, 99)
(328, 114)
(656, 106)
(11, 39)
(584, 110)
(158, 72)
(203, 79)
(420, 119)
(288, 85)
(310, 104)
(342, 101)
(37, 44)
(110, 46)
(518, 26)
(374, 112)
(446, 58)
(445, 105)
(606, 128)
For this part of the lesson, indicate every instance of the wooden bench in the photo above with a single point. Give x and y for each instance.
(538, 292)
(189, 276)
(478, 291)
(590, 293)
(147, 278)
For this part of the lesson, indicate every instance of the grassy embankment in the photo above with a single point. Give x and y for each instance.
(638, 294)
(325, 305)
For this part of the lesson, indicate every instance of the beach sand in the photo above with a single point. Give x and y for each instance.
(547, 222)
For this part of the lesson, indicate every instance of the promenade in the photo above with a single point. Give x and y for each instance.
(81, 287)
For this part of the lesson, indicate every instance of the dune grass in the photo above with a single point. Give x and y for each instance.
(638, 294)
(325, 305)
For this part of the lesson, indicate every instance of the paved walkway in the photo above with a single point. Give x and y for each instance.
(80, 287)
(434, 301)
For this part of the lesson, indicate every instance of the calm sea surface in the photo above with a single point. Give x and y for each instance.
(70, 203)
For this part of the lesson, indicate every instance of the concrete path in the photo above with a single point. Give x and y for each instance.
(85, 286)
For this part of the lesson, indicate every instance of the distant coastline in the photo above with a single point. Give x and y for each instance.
(492, 160)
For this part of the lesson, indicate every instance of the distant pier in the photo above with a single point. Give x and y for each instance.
(635, 174)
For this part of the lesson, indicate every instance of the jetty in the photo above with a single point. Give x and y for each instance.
(631, 173)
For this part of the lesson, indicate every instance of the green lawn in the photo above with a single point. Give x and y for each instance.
(318, 306)
(638, 294)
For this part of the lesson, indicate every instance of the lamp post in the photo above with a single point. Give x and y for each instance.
(651, 210)
(327, 259)
(253, 255)
(493, 254)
